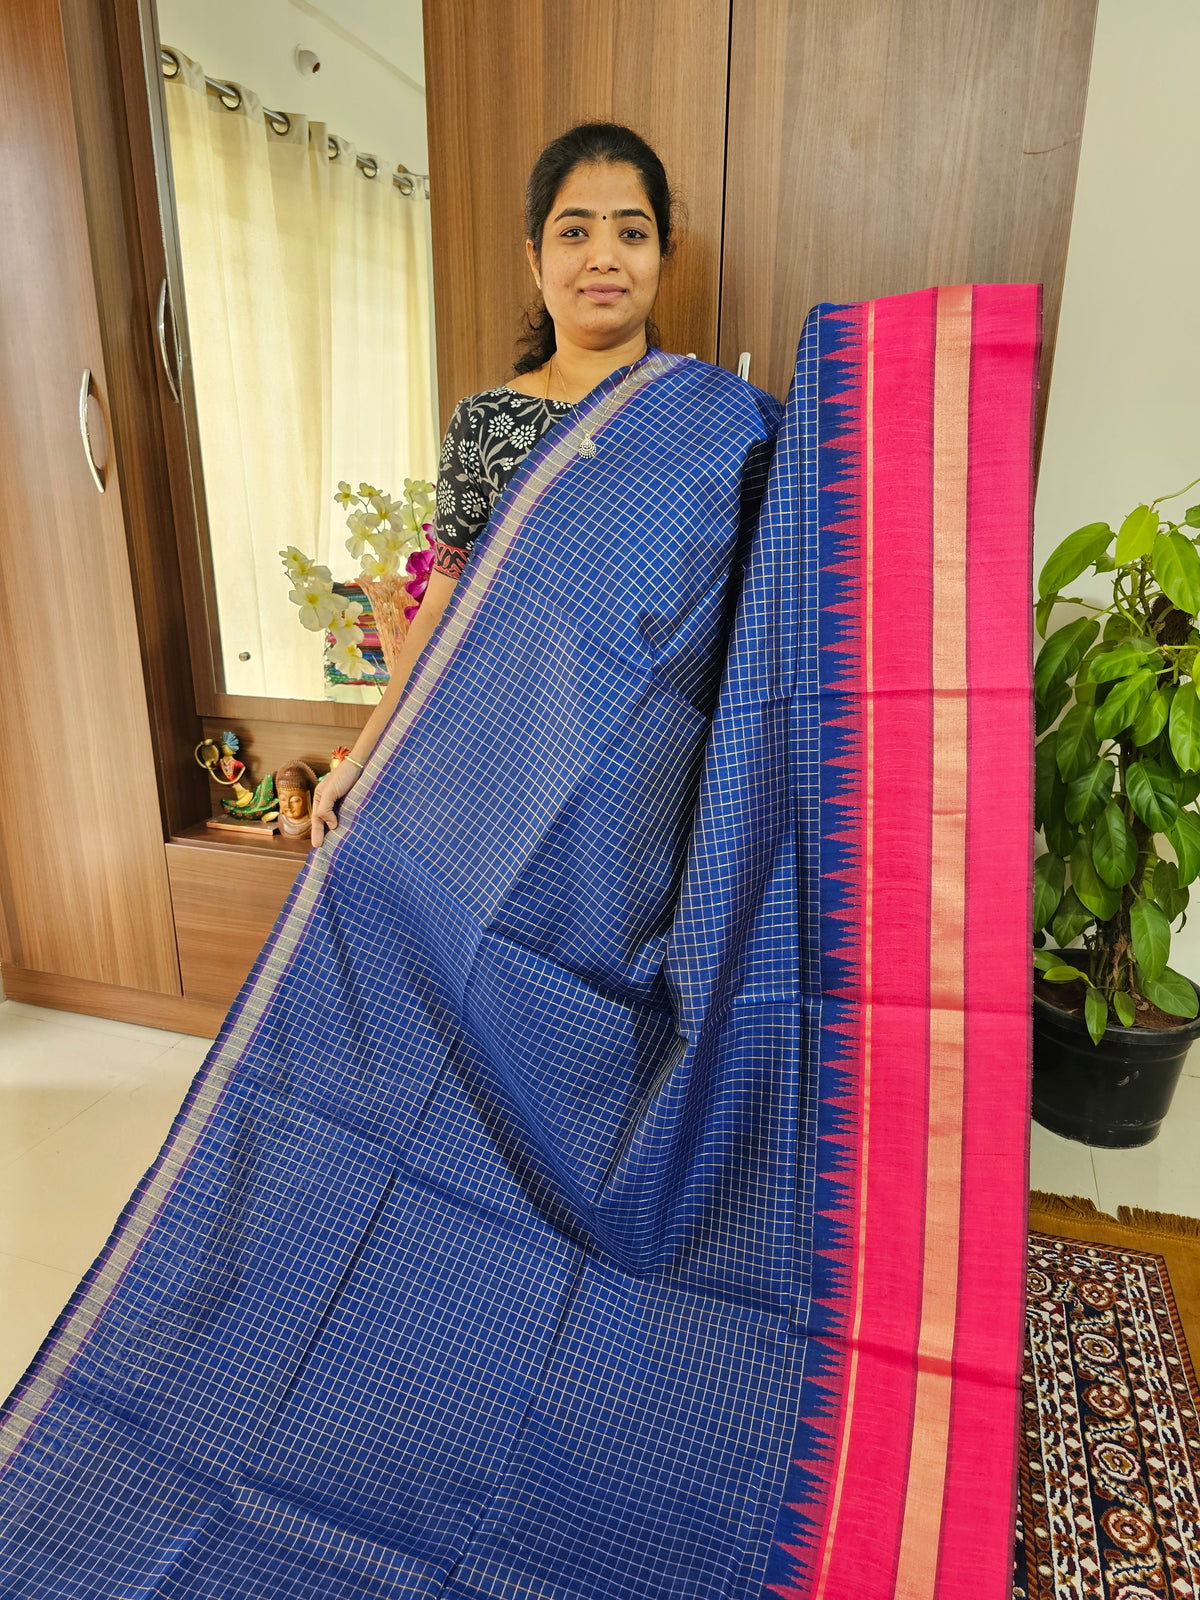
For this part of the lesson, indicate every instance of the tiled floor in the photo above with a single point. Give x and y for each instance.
(85, 1105)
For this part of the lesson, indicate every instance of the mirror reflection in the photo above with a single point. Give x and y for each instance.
(298, 159)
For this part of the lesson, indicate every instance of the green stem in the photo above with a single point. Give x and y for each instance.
(1176, 495)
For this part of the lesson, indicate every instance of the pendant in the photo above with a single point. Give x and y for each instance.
(587, 446)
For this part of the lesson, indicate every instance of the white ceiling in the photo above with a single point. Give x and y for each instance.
(390, 28)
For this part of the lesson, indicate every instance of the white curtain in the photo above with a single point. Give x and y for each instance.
(308, 307)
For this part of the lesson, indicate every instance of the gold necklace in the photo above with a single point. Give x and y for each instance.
(587, 444)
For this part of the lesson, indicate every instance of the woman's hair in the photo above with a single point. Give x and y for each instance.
(589, 143)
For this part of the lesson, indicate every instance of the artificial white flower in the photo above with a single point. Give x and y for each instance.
(318, 606)
(302, 569)
(391, 543)
(359, 534)
(344, 628)
(367, 490)
(381, 566)
(350, 661)
(345, 495)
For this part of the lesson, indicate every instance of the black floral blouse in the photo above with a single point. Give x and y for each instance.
(489, 436)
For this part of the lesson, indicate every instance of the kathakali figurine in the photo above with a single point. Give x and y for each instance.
(219, 758)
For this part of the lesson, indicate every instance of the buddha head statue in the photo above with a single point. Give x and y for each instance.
(294, 785)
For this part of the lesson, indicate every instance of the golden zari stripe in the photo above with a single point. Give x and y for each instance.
(916, 1575)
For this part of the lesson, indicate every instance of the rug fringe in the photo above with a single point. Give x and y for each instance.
(1159, 1222)
(1064, 1205)
(1162, 1222)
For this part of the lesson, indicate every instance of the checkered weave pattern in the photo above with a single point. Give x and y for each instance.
(503, 1246)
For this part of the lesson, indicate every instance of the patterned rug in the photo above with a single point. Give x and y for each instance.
(1109, 1504)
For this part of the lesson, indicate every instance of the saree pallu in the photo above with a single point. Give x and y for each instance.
(610, 1181)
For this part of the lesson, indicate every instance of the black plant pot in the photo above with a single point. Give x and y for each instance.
(1114, 1094)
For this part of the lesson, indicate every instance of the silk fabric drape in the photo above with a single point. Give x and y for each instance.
(610, 1184)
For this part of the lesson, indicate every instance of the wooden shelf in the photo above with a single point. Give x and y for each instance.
(275, 845)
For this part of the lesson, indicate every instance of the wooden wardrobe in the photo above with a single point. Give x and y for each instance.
(821, 150)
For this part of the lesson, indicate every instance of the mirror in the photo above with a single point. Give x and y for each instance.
(298, 162)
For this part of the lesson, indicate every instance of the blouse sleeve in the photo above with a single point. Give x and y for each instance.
(464, 500)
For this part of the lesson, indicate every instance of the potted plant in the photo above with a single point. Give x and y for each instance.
(1117, 769)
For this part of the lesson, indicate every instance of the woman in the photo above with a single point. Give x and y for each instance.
(516, 1238)
(599, 227)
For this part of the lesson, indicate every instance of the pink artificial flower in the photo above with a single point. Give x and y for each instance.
(410, 612)
(420, 562)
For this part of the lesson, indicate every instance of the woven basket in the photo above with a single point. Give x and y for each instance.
(388, 597)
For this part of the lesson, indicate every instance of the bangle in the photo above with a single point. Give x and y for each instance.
(356, 762)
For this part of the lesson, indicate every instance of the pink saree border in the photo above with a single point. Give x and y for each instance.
(922, 1456)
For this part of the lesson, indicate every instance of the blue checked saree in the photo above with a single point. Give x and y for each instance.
(505, 1245)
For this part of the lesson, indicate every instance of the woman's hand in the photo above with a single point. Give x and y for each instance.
(345, 775)
(332, 788)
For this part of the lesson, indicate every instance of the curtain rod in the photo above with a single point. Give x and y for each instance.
(408, 183)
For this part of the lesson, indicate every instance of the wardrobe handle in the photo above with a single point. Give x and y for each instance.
(84, 391)
(161, 325)
(743, 366)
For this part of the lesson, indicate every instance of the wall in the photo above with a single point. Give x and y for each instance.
(1123, 423)
(359, 90)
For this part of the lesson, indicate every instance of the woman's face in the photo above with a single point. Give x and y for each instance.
(600, 260)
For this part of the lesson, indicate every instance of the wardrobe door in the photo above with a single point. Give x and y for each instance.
(881, 146)
(83, 880)
(502, 81)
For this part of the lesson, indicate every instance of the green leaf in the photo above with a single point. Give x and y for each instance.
(1185, 728)
(1049, 879)
(1184, 834)
(1071, 918)
(1177, 568)
(1151, 936)
(1117, 627)
(1096, 895)
(1114, 849)
(1061, 835)
(1130, 655)
(1063, 974)
(1047, 785)
(1062, 653)
(1123, 1006)
(1152, 795)
(1073, 556)
(1123, 703)
(1076, 746)
(1187, 788)
(1046, 958)
(1137, 535)
(1041, 616)
(1104, 564)
(1046, 714)
(1152, 718)
(1095, 1013)
(1167, 891)
(1192, 516)
(1170, 992)
(1088, 795)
